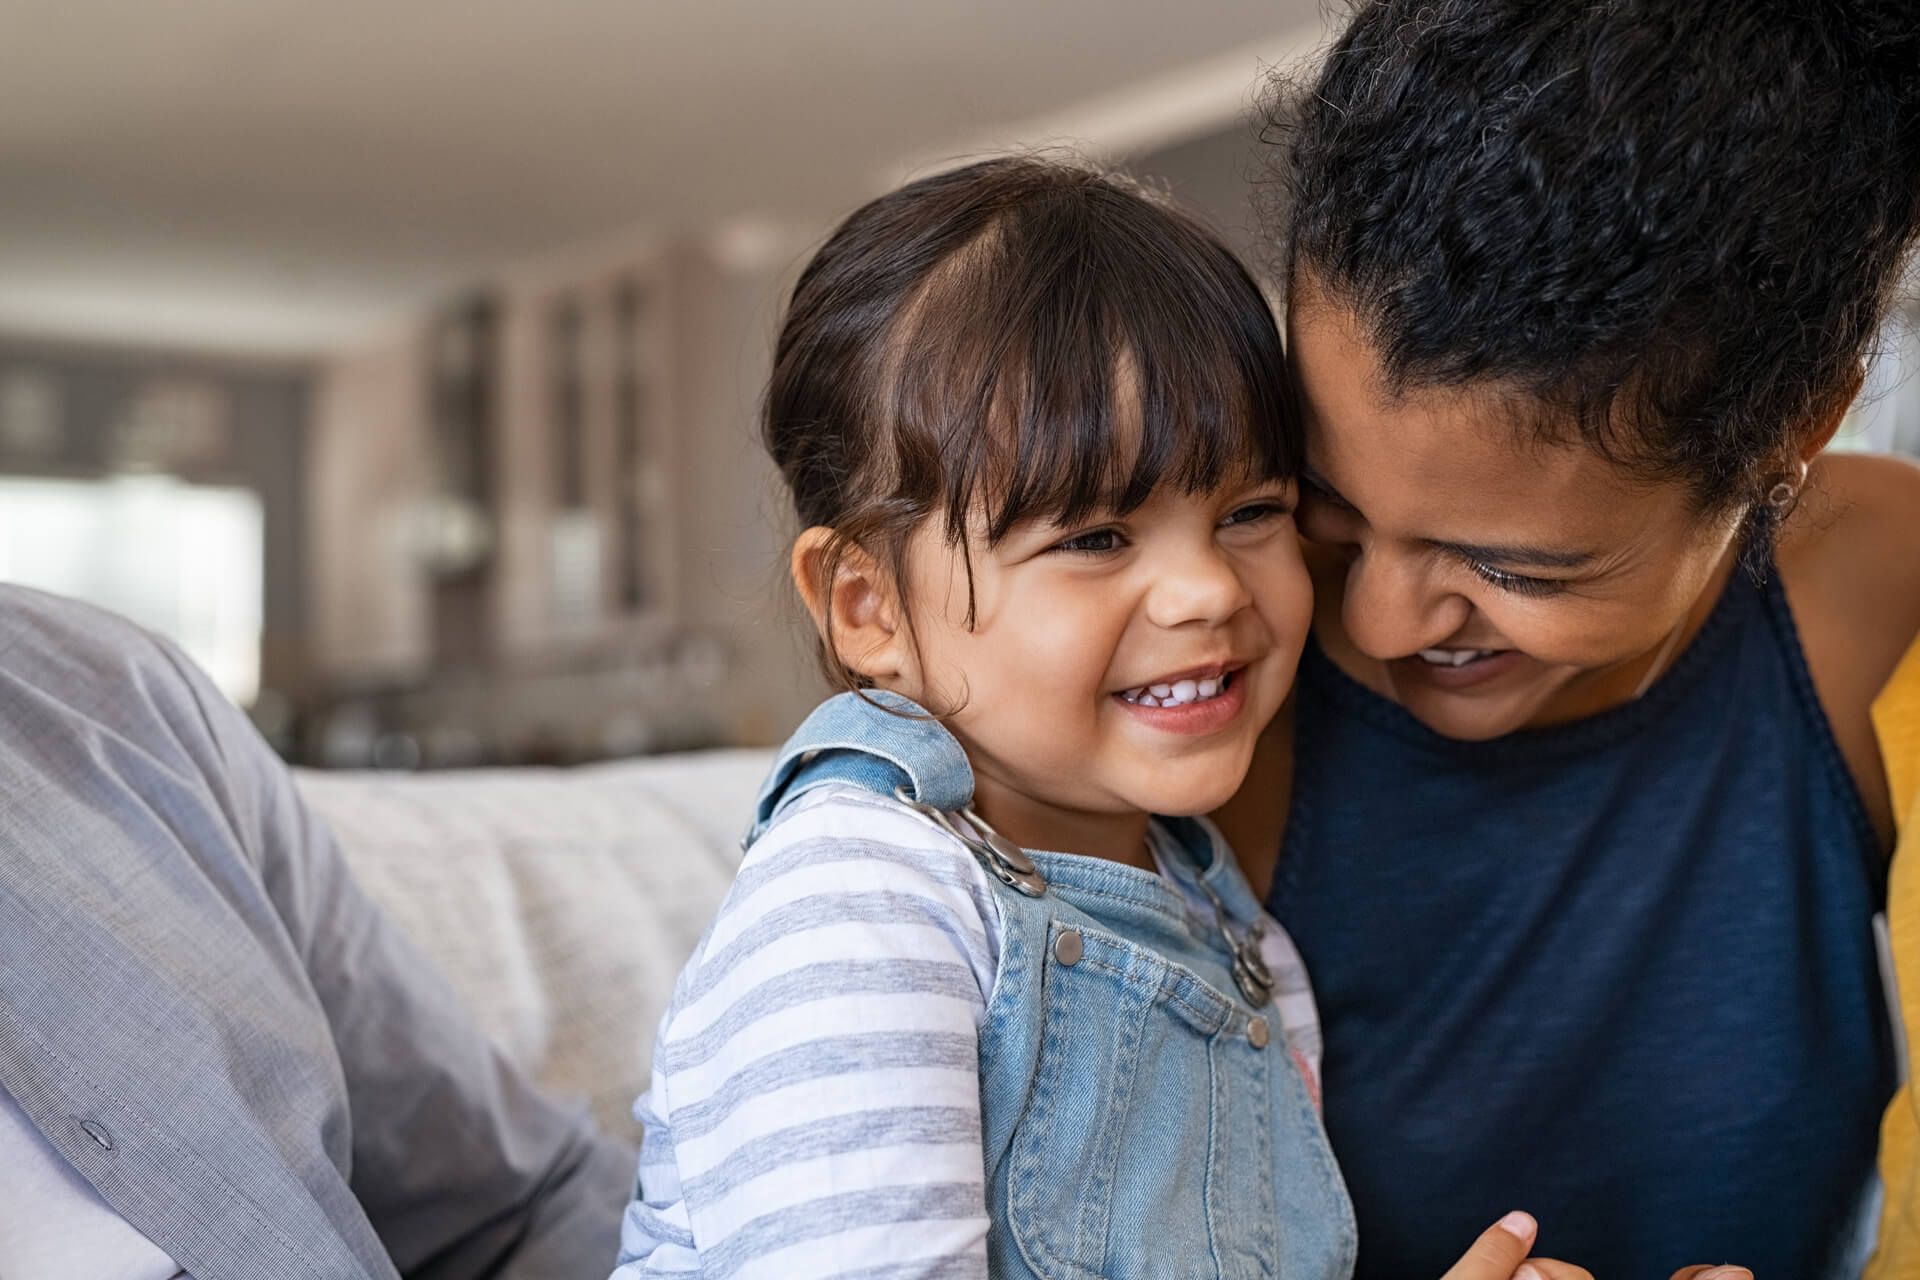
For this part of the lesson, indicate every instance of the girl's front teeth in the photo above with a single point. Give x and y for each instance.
(1177, 694)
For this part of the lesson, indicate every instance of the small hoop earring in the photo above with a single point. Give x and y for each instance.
(1787, 488)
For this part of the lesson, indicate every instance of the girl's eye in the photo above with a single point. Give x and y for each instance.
(1254, 512)
(1518, 584)
(1092, 542)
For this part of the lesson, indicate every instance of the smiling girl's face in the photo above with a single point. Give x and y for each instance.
(1040, 437)
(1483, 580)
(1113, 668)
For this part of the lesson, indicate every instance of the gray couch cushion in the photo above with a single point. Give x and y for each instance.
(561, 903)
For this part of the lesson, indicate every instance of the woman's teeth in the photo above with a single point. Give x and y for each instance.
(1179, 693)
(1454, 657)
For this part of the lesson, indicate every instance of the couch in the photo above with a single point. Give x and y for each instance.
(561, 903)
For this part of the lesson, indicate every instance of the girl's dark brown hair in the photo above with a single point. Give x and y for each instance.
(1020, 339)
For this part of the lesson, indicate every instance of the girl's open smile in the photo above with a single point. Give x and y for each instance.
(1191, 704)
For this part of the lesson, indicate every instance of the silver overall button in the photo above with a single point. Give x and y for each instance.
(1257, 1032)
(1066, 947)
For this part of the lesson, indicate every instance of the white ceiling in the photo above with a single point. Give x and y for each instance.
(283, 174)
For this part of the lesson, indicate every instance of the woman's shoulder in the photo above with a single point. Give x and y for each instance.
(1866, 495)
(1856, 539)
(1851, 560)
(1850, 563)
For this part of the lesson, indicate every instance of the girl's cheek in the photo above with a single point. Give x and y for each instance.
(1285, 592)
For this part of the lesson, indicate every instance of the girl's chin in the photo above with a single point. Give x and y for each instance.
(1213, 784)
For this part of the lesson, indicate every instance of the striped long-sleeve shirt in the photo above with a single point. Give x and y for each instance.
(814, 1109)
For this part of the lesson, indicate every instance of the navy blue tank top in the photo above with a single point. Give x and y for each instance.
(1620, 973)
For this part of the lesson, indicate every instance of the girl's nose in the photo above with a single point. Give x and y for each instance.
(1202, 588)
(1391, 608)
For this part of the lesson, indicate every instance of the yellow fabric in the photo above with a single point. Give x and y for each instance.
(1896, 719)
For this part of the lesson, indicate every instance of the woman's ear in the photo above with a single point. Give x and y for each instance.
(1822, 427)
(855, 605)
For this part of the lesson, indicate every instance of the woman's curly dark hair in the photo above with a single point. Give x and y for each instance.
(1673, 226)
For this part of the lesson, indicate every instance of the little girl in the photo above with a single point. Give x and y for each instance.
(969, 1009)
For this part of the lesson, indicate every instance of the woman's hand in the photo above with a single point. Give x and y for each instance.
(1501, 1254)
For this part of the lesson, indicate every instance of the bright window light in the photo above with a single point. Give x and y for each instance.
(183, 560)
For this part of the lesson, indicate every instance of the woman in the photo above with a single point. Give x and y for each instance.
(1578, 293)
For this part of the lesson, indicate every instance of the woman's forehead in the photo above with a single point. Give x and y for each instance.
(1453, 463)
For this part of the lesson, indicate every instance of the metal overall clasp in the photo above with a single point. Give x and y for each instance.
(1006, 861)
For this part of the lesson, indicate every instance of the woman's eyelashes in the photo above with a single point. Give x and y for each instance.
(1321, 499)
(1516, 583)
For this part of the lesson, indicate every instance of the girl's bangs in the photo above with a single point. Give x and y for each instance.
(1063, 373)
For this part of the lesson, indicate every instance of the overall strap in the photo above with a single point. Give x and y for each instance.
(887, 744)
(875, 740)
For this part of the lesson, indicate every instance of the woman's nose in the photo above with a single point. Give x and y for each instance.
(1391, 608)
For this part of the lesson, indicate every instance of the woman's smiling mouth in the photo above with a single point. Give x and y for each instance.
(1453, 669)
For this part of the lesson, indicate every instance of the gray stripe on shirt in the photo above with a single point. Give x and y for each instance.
(818, 1059)
(832, 1215)
(946, 867)
(658, 1226)
(823, 910)
(836, 1135)
(816, 982)
(931, 1269)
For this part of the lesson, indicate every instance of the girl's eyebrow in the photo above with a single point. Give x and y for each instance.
(1492, 553)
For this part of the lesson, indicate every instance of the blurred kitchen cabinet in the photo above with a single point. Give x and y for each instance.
(457, 533)
(588, 504)
(370, 486)
(500, 484)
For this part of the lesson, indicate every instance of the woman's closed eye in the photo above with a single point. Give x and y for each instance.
(1517, 583)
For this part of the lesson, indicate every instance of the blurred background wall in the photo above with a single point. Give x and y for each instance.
(402, 359)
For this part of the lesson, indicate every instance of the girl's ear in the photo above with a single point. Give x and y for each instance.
(855, 605)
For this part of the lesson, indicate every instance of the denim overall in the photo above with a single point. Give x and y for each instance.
(1142, 1119)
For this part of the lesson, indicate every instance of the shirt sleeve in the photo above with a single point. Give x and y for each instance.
(815, 1103)
(463, 1168)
